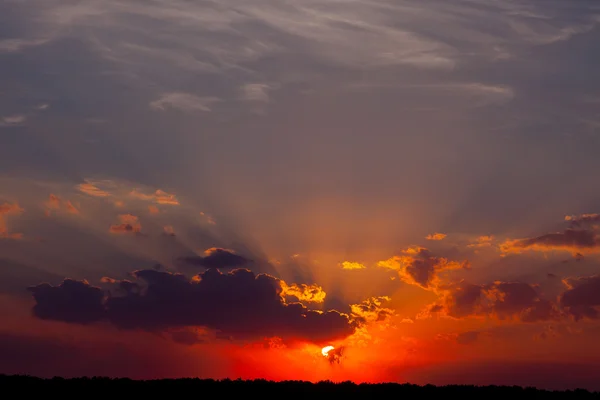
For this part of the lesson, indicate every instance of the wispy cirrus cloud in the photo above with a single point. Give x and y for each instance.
(183, 101)
(327, 31)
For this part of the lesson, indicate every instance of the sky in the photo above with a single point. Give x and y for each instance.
(220, 189)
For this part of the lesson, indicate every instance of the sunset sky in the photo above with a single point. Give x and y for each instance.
(221, 188)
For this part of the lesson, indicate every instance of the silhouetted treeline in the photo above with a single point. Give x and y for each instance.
(295, 389)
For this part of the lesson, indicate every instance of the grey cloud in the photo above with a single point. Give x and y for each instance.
(255, 92)
(326, 30)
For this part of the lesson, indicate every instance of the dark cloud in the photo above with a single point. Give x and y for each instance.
(582, 298)
(418, 266)
(71, 301)
(503, 300)
(334, 356)
(239, 303)
(510, 299)
(216, 258)
(573, 240)
(583, 219)
(460, 300)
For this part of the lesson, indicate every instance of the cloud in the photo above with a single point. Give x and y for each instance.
(217, 258)
(5, 210)
(183, 101)
(417, 266)
(71, 301)
(208, 37)
(255, 92)
(12, 120)
(239, 303)
(303, 292)
(153, 209)
(55, 203)
(92, 189)
(158, 197)
(502, 300)
(128, 224)
(372, 310)
(168, 230)
(350, 265)
(209, 219)
(583, 219)
(436, 236)
(571, 240)
(482, 241)
(582, 297)
(18, 44)
(117, 192)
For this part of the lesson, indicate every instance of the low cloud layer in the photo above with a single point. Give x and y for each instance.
(239, 303)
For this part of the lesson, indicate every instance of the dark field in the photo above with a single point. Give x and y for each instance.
(296, 389)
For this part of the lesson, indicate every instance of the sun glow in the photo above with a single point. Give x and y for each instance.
(325, 350)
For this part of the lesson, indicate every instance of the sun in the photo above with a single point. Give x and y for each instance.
(325, 350)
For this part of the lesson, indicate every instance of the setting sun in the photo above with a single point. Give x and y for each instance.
(325, 350)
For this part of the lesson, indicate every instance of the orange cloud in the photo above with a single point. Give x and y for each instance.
(571, 240)
(372, 310)
(417, 266)
(128, 224)
(209, 219)
(436, 236)
(482, 241)
(153, 209)
(55, 203)
(9, 209)
(92, 190)
(303, 292)
(159, 197)
(168, 230)
(352, 265)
